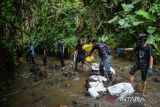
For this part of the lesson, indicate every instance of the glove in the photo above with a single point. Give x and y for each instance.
(120, 50)
(149, 72)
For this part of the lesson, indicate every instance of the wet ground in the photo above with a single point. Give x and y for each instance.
(66, 87)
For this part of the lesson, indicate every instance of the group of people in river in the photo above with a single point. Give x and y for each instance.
(144, 60)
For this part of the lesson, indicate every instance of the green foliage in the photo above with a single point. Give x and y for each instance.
(127, 7)
(115, 22)
(155, 8)
(109, 40)
(145, 15)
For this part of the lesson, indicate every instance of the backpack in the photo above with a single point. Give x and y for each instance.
(105, 49)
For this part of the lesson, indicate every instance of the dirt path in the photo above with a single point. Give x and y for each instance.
(67, 87)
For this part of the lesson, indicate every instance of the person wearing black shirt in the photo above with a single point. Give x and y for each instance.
(44, 57)
(80, 53)
(104, 54)
(144, 61)
(61, 52)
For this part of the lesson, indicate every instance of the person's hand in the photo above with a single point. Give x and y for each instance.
(120, 50)
(149, 72)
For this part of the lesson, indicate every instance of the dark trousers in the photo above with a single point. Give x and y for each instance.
(61, 57)
(44, 59)
(140, 65)
(32, 59)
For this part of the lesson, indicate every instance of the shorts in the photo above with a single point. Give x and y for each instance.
(138, 66)
(80, 58)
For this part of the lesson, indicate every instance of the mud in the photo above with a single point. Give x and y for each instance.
(65, 87)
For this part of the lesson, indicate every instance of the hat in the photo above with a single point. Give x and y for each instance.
(94, 40)
(143, 35)
(80, 40)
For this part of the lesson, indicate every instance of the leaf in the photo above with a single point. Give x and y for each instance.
(151, 29)
(135, 1)
(145, 15)
(113, 20)
(137, 23)
(121, 22)
(99, 25)
(151, 39)
(127, 7)
(155, 46)
(104, 37)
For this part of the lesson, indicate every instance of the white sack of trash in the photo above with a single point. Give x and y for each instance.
(121, 89)
(93, 92)
(98, 78)
(96, 87)
(95, 66)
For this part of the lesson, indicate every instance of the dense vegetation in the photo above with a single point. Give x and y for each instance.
(42, 22)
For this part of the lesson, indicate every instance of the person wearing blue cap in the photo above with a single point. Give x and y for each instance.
(144, 61)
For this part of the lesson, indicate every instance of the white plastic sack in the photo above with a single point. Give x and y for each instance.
(98, 78)
(95, 88)
(93, 92)
(98, 85)
(95, 66)
(121, 89)
(112, 70)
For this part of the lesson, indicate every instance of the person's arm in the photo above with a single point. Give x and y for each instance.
(128, 49)
(149, 71)
(150, 57)
(121, 50)
(75, 49)
(63, 49)
(92, 50)
(151, 62)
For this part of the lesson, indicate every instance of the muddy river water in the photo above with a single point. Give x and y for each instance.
(65, 88)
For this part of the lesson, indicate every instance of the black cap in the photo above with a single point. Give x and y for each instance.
(143, 35)
(94, 40)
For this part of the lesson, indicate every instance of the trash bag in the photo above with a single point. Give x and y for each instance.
(87, 48)
(121, 89)
(89, 58)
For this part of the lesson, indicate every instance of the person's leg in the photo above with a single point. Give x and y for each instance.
(27, 59)
(144, 77)
(32, 59)
(101, 67)
(144, 87)
(107, 68)
(131, 78)
(133, 70)
(44, 60)
(76, 65)
(62, 60)
(82, 62)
